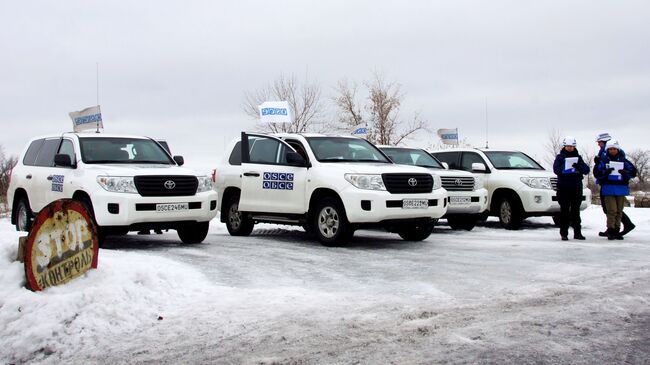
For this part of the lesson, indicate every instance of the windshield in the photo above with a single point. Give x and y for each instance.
(122, 150)
(341, 149)
(512, 160)
(411, 156)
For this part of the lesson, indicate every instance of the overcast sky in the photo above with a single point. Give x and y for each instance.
(179, 70)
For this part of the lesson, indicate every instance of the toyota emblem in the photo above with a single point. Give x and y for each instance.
(169, 184)
(458, 182)
(413, 181)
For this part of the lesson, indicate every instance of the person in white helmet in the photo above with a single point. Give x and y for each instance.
(569, 187)
(613, 173)
(602, 140)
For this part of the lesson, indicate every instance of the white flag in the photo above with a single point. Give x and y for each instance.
(87, 119)
(448, 136)
(275, 112)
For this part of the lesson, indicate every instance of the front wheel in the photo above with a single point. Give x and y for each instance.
(236, 222)
(23, 215)
(417, 232)
(510, 214)
(193, 233)
(330, 224)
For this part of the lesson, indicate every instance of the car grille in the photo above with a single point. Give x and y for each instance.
(452, 183)
(408, 183)
(554, 183)
(166, 185)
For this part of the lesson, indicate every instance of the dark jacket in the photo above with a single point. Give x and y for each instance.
(609, 185)
(569, 180)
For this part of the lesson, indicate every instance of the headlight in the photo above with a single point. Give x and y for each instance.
(437, 182)
(478, 182)
(537, 182)
(367, 182)
(117, 184)
(205, 184)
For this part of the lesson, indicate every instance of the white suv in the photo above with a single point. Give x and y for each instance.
(329, 185)
(467, 198)
(518, 186)
(126, 182)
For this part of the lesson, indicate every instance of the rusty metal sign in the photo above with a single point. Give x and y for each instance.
(61, 245)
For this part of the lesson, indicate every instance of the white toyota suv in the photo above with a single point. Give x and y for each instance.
(329, 185)
(126, 182)
(518, 186)
(467, 198)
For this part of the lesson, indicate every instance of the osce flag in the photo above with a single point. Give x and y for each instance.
(362, 130)
(275, 112)
(448, 136)
(87, 119)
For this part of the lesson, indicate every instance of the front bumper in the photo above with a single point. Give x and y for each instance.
(369, 206)
(544, 202)
(120, 209)
(472, 202)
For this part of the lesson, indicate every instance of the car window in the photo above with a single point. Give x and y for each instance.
(300, 149)
(468, 159)
(67, 148)
(266, 150)
(451, 158)
(46, 153)
(341, 149)
(122, 150)
(32, 152)
(235, 155)
(505, 160)
(411, 156)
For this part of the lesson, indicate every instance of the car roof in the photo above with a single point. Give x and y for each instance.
(466, 149)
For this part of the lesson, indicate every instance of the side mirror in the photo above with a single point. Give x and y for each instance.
(445, 165)
(295, 159)
(479, 167)
(179, 160)
(63, 160)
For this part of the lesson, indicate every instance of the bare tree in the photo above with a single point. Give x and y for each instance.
(6, 165)
(303, 98)
(588, 155)
(379, 113)
(641, 160)
(553, 145)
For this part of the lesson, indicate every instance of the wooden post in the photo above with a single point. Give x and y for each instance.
(21, 249)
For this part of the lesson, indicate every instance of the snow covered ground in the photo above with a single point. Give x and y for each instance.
(277, 297)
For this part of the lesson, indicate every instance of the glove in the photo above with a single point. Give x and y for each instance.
(609, 170)
(621, 171)
(596, 160)
(575, 165)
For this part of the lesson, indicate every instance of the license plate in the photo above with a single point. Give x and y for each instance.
(172, 207)
(415, 203)
(460, 200)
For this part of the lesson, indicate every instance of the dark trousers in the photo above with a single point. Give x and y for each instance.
(569, 201)
(624, 218)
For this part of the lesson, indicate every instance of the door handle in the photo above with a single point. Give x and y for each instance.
(255, 174)
(29, 176)
(49, 177)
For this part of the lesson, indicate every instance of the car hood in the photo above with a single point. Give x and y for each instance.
(138, 169)
(526, 173)
(373, 168)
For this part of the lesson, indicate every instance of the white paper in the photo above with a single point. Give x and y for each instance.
(616, 166)
(568, 163)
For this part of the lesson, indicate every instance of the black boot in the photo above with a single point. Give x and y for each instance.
(577, 234)
(617, 233)
(564, 233)
(603, 233)
(627, 225)
(611, 234)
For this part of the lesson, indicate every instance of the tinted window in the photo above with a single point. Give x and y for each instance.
(512, 160)
(411, 156)
(46, 153)
(451, 158)
(122, 150)
(300, 149)
(341, 149)
(32, 152)
(235, 156)
(468, 159)
(266, 150)
(67, 149)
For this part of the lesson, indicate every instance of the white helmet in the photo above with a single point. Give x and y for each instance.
(569, 141)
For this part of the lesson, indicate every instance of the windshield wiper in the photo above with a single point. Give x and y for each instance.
(150, 161)
(106, 161)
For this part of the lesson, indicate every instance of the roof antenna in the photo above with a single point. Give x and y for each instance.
(486, 124)
(97, 73)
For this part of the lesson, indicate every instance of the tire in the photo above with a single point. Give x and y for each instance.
(330, 224)
(417, 232)
(24, 215)
(510, 214)
(193, 233)
(236, 222)
(462, 223)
